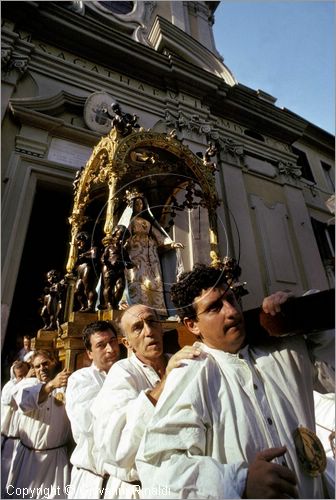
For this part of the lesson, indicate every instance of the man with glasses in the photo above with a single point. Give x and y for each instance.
(127, 400)
(101, 341)
(237, 421)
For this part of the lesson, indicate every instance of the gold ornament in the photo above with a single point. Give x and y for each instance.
(59, 398)
(133, 194)
(310, 451)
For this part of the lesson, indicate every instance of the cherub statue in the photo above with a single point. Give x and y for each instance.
(232, 272)
(53, 301)
(124, 123)
(115, 260)
(210, 152)
(87, 266)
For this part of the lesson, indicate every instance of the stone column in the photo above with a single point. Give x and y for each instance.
(244, 245)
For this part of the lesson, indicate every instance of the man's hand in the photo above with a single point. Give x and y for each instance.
(272, 304)
(61, 379)
(269, 480)
(31, 373)
(176, 244)
(187, 352)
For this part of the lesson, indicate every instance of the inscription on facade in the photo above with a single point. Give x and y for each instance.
(68, 153)
(83, 63)
(139, 86)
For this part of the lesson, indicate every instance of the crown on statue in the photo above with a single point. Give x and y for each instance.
(132, 194)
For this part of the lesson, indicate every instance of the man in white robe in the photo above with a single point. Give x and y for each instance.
(224, 424)
(10, 421)
(126, 401)
(101, 342)
(41, 466)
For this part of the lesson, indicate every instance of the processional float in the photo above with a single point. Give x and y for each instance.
(128, 164)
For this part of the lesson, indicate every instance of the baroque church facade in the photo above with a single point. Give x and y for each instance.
(65, 63)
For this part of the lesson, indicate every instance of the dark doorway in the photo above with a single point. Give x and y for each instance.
(46, 247)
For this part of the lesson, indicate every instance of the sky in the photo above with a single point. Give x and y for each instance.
(285, 48)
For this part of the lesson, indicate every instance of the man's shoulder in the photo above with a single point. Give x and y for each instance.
(8, 385)
(125, 365)
(82, 374)
(190, 378)
(128, 368)
(26, 386)
(28, 382)
(193, 367)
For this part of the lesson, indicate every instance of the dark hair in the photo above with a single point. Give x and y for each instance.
(96, 326)
(190, 285)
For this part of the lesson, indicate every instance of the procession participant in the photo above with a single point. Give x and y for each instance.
(127, 399)
(101, 342)
(41, 464)
(234, 423)
(10, 421)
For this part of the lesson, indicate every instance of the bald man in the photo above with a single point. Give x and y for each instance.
(128, 397)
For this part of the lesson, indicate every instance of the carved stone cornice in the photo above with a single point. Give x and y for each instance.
(227, 145)
(6, 53)
(192, 123)
(29, 146)
(19, 62)
(42, 113)
(15, 54)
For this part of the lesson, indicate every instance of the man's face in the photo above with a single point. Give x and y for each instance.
(20, 373)
(144, 332)
(104, 349)
(26, 344)
(44, 368)
(219, 320)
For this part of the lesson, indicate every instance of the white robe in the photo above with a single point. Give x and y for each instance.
(9, 432)
(218, 411)
(121, 412)
(42, 426)
(83, 387)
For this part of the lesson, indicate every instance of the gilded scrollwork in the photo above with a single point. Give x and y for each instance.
(118, 158)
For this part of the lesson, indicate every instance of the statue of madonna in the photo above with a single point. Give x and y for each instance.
(144, 282)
